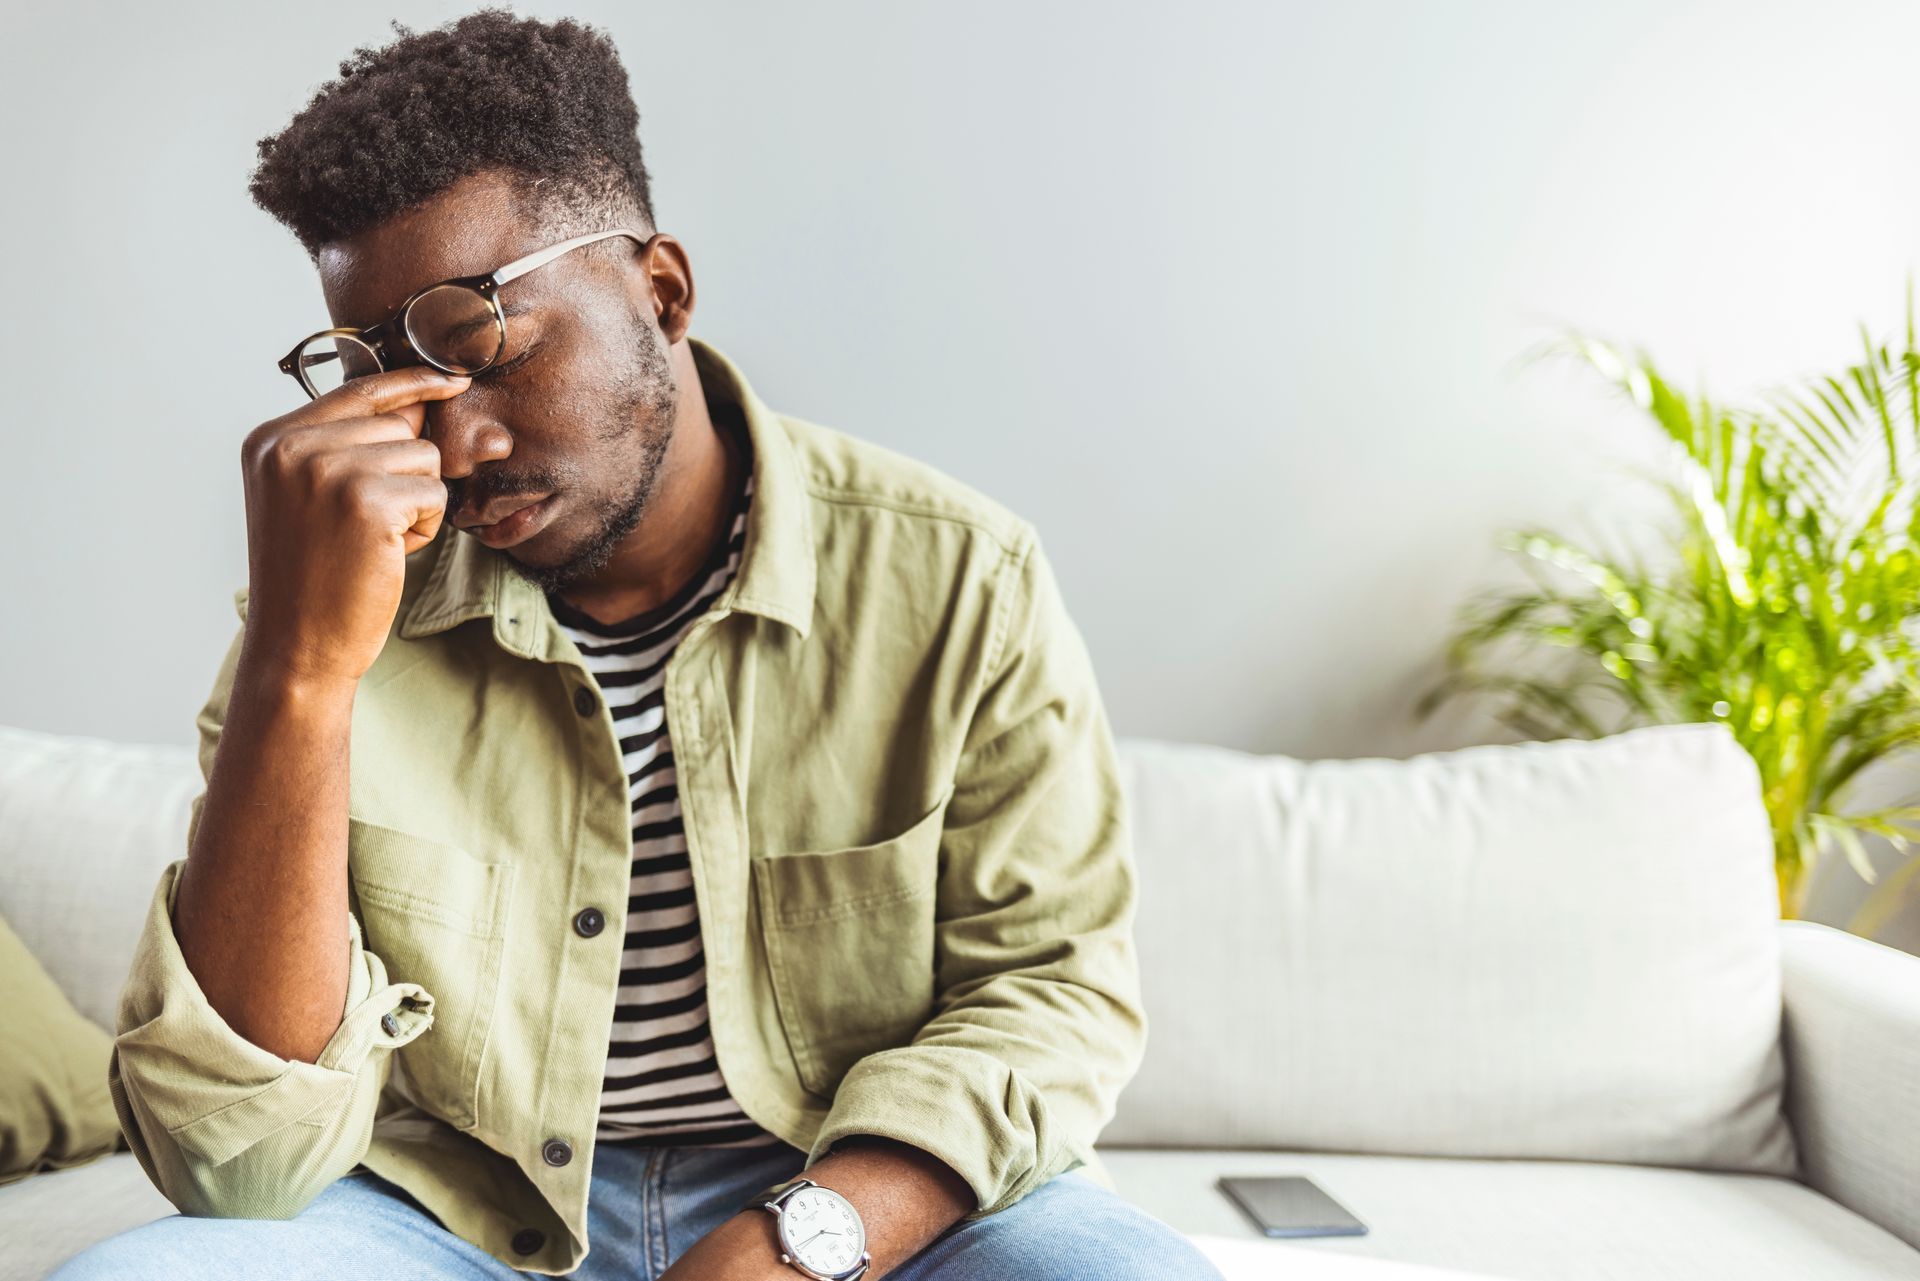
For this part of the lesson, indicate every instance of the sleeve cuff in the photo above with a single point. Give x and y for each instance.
(214, 1092)
(963, 1106)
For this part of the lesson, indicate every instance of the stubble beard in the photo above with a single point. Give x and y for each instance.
(643, 414)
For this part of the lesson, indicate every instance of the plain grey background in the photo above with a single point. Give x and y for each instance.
(1226, 298)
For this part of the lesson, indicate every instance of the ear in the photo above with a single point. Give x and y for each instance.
(663, 281)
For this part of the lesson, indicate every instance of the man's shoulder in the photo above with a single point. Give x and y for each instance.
(852, 478)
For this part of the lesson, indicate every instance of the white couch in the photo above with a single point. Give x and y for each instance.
(1520, 1007)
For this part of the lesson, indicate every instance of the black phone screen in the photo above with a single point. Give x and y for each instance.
(1291, 1206)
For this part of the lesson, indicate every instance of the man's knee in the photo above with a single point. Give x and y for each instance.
(1068, 1229)
(179, 1246)
(357, 1224)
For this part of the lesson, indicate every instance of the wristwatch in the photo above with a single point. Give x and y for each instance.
(820, 1232)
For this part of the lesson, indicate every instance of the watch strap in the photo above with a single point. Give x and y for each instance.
(774, 1197)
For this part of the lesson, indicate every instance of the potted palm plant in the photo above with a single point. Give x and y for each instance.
(1781, 600)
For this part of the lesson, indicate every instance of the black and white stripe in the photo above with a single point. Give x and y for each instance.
(663, 1083)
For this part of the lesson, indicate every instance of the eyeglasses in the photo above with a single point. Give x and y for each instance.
(455, 325)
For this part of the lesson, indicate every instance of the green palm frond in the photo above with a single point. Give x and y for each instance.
(1784, 603)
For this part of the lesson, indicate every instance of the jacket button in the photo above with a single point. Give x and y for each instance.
(589, 921)
(557, 1151)
(389, 1024)
(527, 1240)
(584, 702)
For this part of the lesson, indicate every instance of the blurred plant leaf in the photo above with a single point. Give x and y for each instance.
(1783, 602)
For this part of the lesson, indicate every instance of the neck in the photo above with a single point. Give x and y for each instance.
(691, 503)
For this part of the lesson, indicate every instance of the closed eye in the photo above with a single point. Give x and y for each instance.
(506, 367)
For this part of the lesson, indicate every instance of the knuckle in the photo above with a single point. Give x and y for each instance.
(252, 446)
(365, 390)
(278, 454)
(357, 399)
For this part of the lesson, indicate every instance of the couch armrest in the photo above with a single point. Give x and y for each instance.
(1852, 1040)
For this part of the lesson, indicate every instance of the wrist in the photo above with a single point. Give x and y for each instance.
(817, 1231)
(280, 687)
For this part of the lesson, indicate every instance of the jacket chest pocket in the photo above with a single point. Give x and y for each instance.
(850, 940)
(437, 916)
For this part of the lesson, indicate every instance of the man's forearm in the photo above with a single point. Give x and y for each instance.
(260, 911)
(906, 1198)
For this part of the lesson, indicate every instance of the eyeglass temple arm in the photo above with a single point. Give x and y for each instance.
(541, 257)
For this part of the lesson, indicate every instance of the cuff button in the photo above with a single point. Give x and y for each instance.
(389, 1024)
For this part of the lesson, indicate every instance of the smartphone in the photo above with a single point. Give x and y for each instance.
(1291, 1206)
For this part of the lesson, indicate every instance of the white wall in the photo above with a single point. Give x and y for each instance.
(1223, 296)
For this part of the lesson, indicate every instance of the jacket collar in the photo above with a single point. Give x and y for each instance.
(775, 578)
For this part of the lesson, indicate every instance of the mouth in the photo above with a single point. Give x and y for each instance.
(513, 527)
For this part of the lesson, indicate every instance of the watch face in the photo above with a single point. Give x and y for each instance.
(822, 1231)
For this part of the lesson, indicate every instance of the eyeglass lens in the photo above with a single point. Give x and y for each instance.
(328, 361)
(454, 327)
(450, 325)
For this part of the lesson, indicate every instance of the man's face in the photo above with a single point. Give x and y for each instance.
(581, 402)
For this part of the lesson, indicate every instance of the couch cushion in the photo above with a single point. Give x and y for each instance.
(49, 1218)
(86, 826)
(1554, 1221)
(1564, 950)
(53, 1217)
(55, 1108)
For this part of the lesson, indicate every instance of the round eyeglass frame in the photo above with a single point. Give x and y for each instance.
(375, 338)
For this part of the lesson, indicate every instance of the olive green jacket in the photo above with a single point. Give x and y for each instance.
(910, 850)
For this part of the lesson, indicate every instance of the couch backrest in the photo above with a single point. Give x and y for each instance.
(86, 827)
(1563, 950)
(1547, 949)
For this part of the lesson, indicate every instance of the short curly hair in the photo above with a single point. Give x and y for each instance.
(545, 104)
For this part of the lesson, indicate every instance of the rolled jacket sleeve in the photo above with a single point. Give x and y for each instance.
(222, 1126)
(1037, 1022)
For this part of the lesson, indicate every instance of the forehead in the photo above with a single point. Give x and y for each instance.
(467, 230)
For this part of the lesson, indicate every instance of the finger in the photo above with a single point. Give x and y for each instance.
(351, 433)
(409, 457)
(424, 499)
(389, 391)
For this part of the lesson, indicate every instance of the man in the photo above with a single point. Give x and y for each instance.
(723, 799)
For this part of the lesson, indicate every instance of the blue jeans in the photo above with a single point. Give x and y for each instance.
(646, 1207)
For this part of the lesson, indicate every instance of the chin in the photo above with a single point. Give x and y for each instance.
(547, 548)
(552, 571)
(529, 555)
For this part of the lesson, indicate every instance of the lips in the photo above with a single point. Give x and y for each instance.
(516, 526)
(495, 513)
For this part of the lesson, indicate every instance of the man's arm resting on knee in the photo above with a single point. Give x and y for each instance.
(1037, 1019)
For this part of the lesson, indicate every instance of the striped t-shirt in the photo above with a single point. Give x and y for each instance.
(662, 1083)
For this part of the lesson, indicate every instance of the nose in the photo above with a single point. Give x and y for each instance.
(467, 434)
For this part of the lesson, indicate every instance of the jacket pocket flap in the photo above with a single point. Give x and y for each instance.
(428, 879)
(810, 887)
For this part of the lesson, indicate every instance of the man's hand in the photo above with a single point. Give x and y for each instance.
(339, 492)
(905, 1197)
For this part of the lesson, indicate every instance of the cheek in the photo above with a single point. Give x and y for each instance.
(572, 383)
